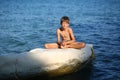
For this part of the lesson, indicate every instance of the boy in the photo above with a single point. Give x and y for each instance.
(68, 39)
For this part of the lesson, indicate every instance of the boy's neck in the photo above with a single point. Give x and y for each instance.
(65, 29)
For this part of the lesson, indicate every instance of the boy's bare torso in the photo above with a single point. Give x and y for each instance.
(65, 34)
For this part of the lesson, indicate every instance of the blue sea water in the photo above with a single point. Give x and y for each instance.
(29, 24)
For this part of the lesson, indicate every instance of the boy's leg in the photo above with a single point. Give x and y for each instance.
(77, 45)
(51, 45)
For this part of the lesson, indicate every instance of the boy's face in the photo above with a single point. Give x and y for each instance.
(65, 25)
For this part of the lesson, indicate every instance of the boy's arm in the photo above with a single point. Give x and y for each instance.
(58, 36)
(72, 37)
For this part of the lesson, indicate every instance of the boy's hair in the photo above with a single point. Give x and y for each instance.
(64, 19)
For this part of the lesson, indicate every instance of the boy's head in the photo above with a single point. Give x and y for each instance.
(64, 19)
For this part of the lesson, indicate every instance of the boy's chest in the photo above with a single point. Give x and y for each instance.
(64, 33)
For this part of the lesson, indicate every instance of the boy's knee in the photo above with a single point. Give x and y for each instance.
(46, 46)
(83, 45)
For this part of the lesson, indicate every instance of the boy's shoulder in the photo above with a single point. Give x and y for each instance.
(61, 29)
(69, 29)
(58, 30)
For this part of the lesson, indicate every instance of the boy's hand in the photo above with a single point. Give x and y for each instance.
(63, 43)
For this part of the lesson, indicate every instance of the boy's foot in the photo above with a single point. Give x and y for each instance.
(63, 47)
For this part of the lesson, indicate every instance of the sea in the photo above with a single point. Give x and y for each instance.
(29, 24)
